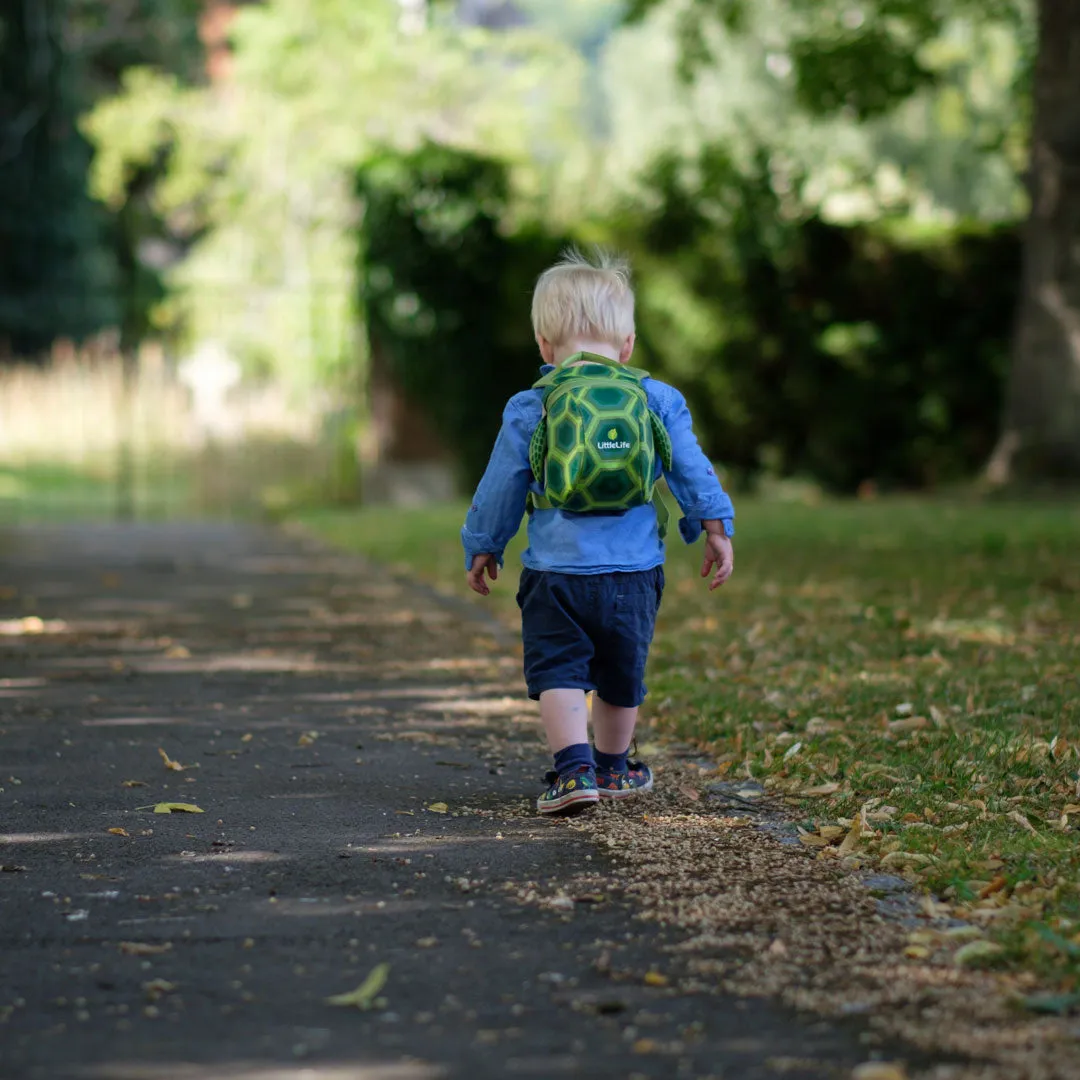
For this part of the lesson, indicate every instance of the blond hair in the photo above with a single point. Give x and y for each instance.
(579, 299)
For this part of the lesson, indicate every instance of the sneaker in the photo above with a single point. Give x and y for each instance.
(620, 785)
(573, 790)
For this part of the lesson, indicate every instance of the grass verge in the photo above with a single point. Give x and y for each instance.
(904, 673)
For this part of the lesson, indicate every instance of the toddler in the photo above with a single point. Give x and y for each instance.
(580, 452)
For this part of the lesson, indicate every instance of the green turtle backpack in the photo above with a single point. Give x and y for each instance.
(597, 444)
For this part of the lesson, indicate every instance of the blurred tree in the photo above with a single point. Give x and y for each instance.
(57, 278)
(863, 59)
(68, 268)
(259, 168)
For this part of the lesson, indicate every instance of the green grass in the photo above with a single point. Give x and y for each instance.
(915, 661)
(42, 492)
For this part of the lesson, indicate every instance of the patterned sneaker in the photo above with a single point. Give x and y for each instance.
(619, 785)
(572, 791)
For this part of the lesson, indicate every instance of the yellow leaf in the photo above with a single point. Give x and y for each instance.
(917, 952)
(119, 832)
(307, 738)
(439, 808)
(851, 841)
(133, 783)
(247, 738)
(655, 978)
(177, 808)
(177, 652)
(831, 832)
(812, 839)
(175, 766)
(879, 1070)
(363, 997)
(644, 1046)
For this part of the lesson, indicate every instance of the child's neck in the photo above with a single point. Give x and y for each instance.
(572, 348)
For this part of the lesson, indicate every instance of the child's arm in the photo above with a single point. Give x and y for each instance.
(705, 505)
(499, 503)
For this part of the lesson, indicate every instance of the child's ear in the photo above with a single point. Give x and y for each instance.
(547, 350)
(627, 349)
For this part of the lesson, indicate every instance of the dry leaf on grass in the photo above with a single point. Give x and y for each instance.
(820, 790)
(438, 808)
(364, 996)
(1015, 815)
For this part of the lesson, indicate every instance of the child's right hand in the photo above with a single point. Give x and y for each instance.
(475, 577)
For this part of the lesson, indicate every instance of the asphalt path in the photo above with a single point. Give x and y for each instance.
(366, 765)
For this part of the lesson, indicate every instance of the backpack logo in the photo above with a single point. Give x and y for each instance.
(613, 433)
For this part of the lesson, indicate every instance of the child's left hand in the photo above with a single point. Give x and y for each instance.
(720, 553)
(475, 576)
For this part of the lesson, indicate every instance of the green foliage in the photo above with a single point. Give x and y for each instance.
(807, 348)
(446, 292)
(57, 276)
(258, 174)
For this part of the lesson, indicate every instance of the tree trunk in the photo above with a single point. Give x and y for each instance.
(1041, 430)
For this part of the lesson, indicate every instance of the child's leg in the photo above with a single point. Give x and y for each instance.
(565, 717)
(613, 727)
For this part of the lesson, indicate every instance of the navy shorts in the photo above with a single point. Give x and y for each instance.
(589, 632)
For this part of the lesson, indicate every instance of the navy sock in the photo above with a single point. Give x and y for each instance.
(571, 758)
(612, 762)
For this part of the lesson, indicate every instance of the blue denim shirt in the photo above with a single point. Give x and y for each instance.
(567, 543)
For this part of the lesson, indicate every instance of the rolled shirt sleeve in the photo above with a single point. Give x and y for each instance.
(499, 503)
(691, 478)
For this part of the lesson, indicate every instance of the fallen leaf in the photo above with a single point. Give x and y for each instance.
(879, 1070)
(644, 1046)
(691, 793)
(439, 808)
(820, 789)
(851, 841)
(975, 953)
(177, 652)
(134, 783)
(119, 832)
(247, 738)
(812, 839)
(144, 948)
(175, 766)
(363, 997)
(12, 868)
(655, 978)
(177, 808)
(1015, 815)
(910, 723)
(427, 942)
(307, 738)
(992, 887)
